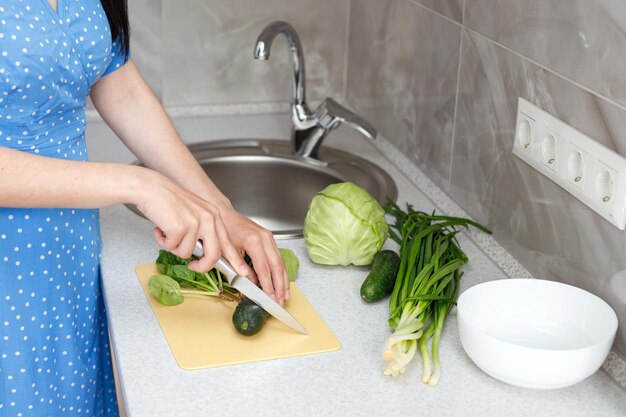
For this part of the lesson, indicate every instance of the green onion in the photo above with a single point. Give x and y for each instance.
(426, 286)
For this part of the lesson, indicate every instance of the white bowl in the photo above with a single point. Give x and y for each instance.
(535, 333)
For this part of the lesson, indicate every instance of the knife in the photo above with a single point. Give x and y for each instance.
(250, 290)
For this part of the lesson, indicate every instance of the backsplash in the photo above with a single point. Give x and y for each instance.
(200, 52)
(440, 80)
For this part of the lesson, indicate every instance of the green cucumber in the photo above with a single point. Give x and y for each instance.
(249, 318)
(382, 277)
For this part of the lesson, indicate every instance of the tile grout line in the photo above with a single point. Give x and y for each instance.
(417, 3)
(161, 55)
(346, 55)
(524, 57)
(463, 13)
(553, 72)
(456, 104)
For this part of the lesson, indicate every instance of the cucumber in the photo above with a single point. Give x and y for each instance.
(382, 277)
(249, 318)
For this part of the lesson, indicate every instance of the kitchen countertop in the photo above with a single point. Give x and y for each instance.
(348, 382)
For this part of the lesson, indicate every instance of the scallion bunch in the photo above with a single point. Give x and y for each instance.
(426, 286)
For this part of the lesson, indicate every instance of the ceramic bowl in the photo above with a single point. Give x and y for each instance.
(535, 333)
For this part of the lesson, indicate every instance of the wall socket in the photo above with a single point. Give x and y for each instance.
(593, 173)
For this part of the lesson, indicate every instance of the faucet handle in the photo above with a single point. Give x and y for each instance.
(329, 115)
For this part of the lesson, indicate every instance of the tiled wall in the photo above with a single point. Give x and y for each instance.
(440, 79)
(199, 52)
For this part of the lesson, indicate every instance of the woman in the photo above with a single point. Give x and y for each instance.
(54, 356)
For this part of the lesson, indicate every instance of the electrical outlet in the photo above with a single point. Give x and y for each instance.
(593, 173)
(576, 166)
(524, 132)
(550, 144)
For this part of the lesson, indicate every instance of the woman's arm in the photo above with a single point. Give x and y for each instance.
(28, 180)
(129, 107)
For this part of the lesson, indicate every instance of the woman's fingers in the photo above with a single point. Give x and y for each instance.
(187, 244)
(210, 246)
(277, 269)
(159, 236)
(234, 256)
(179, 239)
(268, 264)
(255, 250)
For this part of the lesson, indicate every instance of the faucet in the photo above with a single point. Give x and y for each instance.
(309, 128)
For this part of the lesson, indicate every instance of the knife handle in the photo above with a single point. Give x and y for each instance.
(226, 268)
(221, 265)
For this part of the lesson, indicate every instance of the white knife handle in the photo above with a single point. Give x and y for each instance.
(221, 265)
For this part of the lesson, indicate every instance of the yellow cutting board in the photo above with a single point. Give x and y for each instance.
(200, 332)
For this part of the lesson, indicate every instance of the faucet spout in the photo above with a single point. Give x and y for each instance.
(263, 46)
(309, 128)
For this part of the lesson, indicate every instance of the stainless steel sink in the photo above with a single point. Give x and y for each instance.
(266, 182)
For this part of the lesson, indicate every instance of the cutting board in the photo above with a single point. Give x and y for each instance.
(200, 332)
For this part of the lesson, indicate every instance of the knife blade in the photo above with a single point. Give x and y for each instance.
(253, 292)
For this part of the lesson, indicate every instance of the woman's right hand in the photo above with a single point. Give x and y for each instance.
(182, 218)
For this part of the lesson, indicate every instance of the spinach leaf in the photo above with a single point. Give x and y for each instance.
(165, 289)
(181, 273)
(166, 259)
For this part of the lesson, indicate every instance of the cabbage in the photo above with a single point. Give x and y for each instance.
(344, 225)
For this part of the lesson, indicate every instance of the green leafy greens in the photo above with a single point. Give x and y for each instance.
(177, 280)
(189, 282)
(165, 289)
(426, 287)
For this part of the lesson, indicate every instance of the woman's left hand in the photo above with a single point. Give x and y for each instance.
(249, 237)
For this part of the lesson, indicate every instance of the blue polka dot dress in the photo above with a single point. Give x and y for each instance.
(54, 353)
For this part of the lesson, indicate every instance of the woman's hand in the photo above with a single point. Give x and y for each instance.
(248, 237)
(182, 218)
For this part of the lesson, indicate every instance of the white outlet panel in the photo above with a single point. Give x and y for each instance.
(593, 173)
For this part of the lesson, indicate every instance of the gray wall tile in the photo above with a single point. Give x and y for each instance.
(146, 41)
(208, 46)
(449, 8)
(404, 86)
(553, 234)
(584, 40)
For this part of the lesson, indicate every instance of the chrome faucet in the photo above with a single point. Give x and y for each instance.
(309, 128)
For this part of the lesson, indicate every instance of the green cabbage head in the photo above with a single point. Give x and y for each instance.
(344, 225)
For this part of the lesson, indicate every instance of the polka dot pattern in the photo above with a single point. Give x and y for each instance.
(54, 353)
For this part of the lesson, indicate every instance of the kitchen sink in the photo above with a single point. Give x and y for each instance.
(266, 182)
